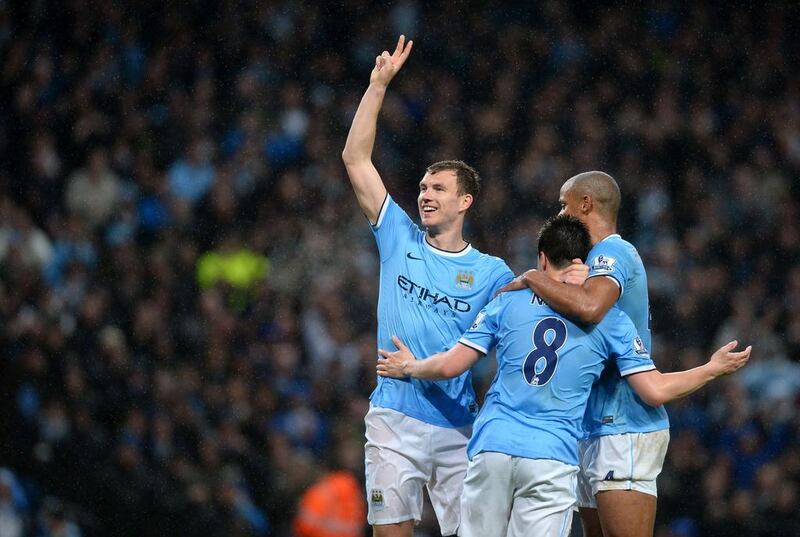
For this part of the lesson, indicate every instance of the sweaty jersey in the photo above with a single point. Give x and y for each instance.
(546, 366)
(428, 298)
(613, 407)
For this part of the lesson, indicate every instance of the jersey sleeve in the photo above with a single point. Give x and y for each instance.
(625, 346)
(392, 228)
(606, 260)
(482, 335)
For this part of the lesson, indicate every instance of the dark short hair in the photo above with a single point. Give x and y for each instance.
(468, 180)
(564, 238)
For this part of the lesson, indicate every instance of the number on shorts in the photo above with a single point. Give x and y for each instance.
(540, 364)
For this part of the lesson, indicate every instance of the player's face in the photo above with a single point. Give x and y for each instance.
(570, 203)
(439, 201)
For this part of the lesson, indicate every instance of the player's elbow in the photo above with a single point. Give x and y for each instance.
(654, 398)
(352, 158)
(591, 312)
(651, 394)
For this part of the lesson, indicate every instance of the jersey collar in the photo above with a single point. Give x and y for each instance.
(610, 237)
(446, 253)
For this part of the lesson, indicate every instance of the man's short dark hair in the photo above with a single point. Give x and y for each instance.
(564, 238)
(468, 180)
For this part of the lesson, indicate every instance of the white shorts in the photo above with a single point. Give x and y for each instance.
(629, 461)
(403, 454)
(514, 496)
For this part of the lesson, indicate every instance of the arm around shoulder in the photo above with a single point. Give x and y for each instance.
(587, 303)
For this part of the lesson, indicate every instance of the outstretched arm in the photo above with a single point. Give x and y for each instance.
(587, 303)
(656, 388)
(357, 154)
(444, 365)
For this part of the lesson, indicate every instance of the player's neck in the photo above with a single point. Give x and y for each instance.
(448, 240)
(599, 230)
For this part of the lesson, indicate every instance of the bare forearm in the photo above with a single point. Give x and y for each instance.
(444, 365)
(361, 137)
(572, 301)
(682, 383)
(656, 388)
(431, 368)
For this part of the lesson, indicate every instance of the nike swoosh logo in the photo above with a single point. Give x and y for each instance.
(408, 255)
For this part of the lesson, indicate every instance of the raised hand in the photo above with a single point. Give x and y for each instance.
(387, 65)
(725, 361)
(395, 364)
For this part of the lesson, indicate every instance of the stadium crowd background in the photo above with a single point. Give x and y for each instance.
(188, 290)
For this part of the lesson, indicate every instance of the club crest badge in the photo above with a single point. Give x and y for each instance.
(465, 279)
(376, 498)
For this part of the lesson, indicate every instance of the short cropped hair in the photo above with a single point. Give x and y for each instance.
(467, 178)
(564, 238)
(603, 189)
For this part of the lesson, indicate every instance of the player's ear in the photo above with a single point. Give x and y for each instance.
(542, 262)
(587, 204)
(466, 201)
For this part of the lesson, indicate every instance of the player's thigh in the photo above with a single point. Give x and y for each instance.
(630, 461)
(449, 468)
(487, 497)
(397, 466)
(621, 472)
(590, 522)
(626, 513)
(401, 529)
(544, 498)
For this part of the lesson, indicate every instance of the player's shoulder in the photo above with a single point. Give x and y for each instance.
(610, 251)
(487, 258)
(490, 262)
(615, 322)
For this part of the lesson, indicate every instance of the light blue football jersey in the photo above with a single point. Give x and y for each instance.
(546, 366)
(428, 298)
(614, 408)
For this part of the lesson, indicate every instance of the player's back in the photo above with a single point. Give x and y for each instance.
(613, 407)
(546, 368)
(428, 298)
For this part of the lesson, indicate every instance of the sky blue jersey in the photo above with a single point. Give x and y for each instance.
(428, 298)
(546, 366)
(613, 407)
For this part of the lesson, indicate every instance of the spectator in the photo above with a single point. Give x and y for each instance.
(94, 190)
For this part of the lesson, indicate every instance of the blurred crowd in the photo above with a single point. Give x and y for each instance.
(188, 290)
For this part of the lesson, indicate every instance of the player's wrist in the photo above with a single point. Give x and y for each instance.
(713, 369)
(377, 86)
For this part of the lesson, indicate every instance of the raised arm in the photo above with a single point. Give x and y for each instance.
(587, 303)
(357, 154)
(444, 365)
(656, 388)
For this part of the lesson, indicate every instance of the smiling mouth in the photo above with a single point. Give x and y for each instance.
(429, 210)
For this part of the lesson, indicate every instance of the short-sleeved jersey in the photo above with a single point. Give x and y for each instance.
(546, 366)
(613, 407)
(428, 298)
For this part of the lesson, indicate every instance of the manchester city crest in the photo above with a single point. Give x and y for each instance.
(465, 279)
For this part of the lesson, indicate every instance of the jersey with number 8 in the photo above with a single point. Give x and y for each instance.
(546, 366)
